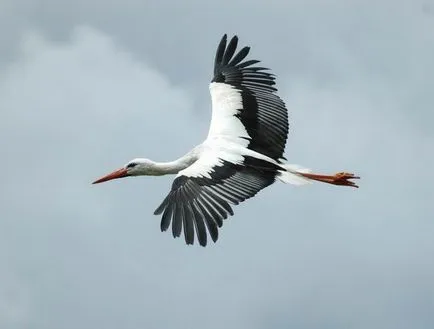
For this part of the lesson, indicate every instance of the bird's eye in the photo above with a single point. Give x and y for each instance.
(131, 165)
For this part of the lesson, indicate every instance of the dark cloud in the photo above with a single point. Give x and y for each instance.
(85, 87)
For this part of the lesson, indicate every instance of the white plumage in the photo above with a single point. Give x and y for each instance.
(242, 154)
(225, 103)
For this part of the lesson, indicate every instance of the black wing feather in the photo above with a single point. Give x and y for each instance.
(167, 215)
(198, 223)
(263, 114)
(199, 202)
(178, 215)
(219, 53)
(230, 50)
(240, 56)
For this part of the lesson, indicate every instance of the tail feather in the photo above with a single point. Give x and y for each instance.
(292, 175)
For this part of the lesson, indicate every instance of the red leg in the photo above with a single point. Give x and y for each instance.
(341, 178)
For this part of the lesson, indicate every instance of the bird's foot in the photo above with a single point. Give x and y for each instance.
(341, 178)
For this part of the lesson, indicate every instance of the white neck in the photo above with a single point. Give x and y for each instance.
(166, 168)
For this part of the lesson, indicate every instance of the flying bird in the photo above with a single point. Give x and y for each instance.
(242, 154)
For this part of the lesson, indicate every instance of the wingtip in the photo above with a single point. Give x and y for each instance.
(202, 244)
(225, 37)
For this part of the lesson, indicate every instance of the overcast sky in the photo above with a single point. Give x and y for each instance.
(86, 86)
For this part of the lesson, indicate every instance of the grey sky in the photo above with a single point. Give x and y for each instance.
(86, 86)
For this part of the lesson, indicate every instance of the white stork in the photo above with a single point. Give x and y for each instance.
(242, 154)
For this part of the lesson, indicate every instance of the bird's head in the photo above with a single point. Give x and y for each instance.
(134, 167)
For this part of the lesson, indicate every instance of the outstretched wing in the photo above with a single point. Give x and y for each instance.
(201, 195)
(245, 112)
(244, 102)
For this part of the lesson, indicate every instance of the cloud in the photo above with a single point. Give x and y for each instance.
(71, 111)
(80, 256)
(14, 300)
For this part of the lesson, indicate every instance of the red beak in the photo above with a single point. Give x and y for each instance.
(115, 174)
